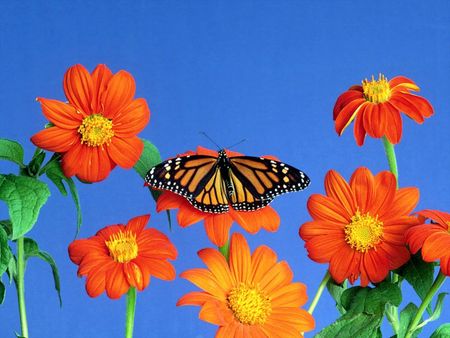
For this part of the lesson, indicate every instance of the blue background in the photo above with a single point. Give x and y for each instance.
(266, 71)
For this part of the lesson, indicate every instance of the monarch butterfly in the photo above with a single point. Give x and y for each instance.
(213, 183)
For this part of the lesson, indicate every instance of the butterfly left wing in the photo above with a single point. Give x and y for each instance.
(257, 181)
(194, 177)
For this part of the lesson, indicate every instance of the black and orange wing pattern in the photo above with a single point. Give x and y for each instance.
(195, 177)
(257, 181)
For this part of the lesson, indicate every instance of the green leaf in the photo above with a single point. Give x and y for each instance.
(336, 291)
(2, 292)
(24, 196)
(35, 165)
(47, 258)
(406, 316)
(419, 274)
(5, 251)
(371, 300)
(7, 226)
(359, 325)
(149, 158)
(55, 174)
(442, 331)
(31, 249)
(12, 269)
(11, 151)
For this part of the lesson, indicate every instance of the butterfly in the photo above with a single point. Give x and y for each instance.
(214, 183)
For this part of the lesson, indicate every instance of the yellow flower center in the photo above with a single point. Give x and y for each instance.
(364, 232)
(122, 246)
(377, 91)
(249, 304)
(96, 130)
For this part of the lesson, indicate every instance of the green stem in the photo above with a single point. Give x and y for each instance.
(319, 292)
(434, 288)
(390, 154)
(131, 309)
(225, 249)
(20, 285)
(392, 160)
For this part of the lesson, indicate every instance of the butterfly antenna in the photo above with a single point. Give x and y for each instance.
(209, 138)
(234, 145)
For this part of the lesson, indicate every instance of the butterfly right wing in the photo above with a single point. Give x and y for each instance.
(195, 177)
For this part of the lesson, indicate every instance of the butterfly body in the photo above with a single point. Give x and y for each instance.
(214, 183)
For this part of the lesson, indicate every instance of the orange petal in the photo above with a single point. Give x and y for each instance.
(96, 282)
(205, 151)
(217, 228)
(90, 164)
(188, 215)
(279, 276)
(116, 283)
(394, 123)
(227, 331)
(321, 249)
(362, 183)
(263, 259)
(323, 208)
(252, 221)
(436, 246)
(168, 200)
(80, 247)
(134, 275)
(425, 108)
(400, 102)
(320, 228)
(344, 99)
(131, 119)
(291, 295)
(300, 319)
(205, 280)
(56, 139)
(160, 268)
(154, 244)
(240, 258)
(396, 256)
(137, 224)
(119, 93)
(345, 264)
(379, 117)
(338, 189)
(215, 313)
(416, 235)
(273, 329)
(438, 216)
(78, 88)
(358, 130)
(347, 115)
(376, 265)
(218, 265)
(445, 265)
(100, 78)
(404, 202)
(404, 82)
(61, 114)
(195, 298)
(369, 119)
(385, 190)
(145, 272)
(125, 152)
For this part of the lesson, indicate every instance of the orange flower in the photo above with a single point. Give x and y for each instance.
(358, 227)
(433, 238)
(218, 226)
(251, 295)
(376, 106)
(97, 128)
(122, 256)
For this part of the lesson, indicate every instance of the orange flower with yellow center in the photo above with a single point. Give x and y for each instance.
(250, 295)
(358, 227)
(218, 226)
(122, 256)
(433, 238)
(97, 129)
(375, 107)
